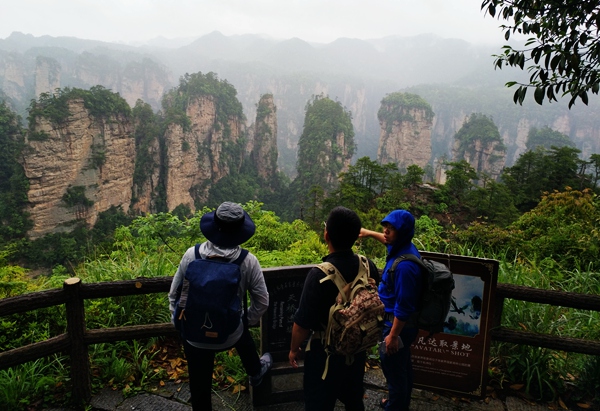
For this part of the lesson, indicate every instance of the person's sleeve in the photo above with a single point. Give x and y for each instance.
(307, 312)
(178, 278)
(259, 296)
(408, 283)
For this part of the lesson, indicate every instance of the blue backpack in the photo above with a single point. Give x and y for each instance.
(208, 307)
(436, 295)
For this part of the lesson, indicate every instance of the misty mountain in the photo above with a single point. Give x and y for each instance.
(456, 77)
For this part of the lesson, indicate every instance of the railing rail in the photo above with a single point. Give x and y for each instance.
(549, 297)
(76, 340)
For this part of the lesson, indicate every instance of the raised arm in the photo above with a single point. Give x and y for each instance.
(364, 233)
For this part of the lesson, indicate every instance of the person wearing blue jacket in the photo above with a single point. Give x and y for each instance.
(399, 290)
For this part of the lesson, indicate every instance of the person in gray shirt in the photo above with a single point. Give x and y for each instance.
(225, 229)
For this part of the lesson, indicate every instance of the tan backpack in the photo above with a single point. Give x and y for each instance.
(356, 318)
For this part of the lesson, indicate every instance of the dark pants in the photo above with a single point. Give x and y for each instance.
(201, 363)
(398, 371)
(343, 382)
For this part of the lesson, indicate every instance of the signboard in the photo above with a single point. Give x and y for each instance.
(285, 288)
(456, 360)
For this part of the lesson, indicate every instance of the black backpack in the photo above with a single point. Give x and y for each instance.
(436, 296)
(208, 308)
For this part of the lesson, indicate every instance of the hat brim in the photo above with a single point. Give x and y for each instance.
(215, 235)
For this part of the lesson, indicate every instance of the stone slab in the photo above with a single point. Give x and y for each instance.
(150, 402)
(106, 400)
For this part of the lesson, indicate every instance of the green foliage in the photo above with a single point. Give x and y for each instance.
(197, 85)
(36, 379)
(70, 248)
(563, 227)
(13, 279)
(539, 171)
(459, 181)
(397, 107)
(533, 251)
(478, 129)
(546, 138)
(546, 373)
(494, 203)
(14, 220)
(75, 196)
(263, 109)
(320, 156)
(100, 102)
(562, 52)
(150, 151)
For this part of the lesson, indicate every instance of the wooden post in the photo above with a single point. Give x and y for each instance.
(498, 308)
(80, 361)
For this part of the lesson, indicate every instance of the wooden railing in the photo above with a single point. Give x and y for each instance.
(76, 340)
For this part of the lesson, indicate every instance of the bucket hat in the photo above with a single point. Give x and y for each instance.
(228, 226)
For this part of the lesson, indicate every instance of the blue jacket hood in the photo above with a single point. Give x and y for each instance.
(404, 223)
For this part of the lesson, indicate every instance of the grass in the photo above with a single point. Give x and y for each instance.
(132, 365)
(41, 379)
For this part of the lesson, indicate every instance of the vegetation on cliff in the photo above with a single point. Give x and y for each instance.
(325, 146)
(149, 155)
(14, 222)
(99, 101)
(397, 107)
(196, 85)
(546, 137)
(478, 127)
(477, 136)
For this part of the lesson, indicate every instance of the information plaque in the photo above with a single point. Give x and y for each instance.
(456, 360)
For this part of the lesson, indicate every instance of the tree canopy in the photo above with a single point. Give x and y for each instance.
(322, 154)
(546, 137)
(562, 52)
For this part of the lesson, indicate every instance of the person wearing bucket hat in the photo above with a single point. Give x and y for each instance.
(399, 293)
(225, 229)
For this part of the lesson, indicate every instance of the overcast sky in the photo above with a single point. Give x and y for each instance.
(311, 20)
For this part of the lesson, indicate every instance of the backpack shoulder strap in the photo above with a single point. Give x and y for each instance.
(197, 251)
(242, 256)
(414, 259)
(333, 274)
(408, 257)
(362, 276)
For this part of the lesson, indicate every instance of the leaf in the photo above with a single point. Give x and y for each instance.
(230, 379)
(517, 387)
(538, 95)
(562, 404)
(583, 405)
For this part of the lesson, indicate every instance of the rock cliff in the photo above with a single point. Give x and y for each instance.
(479, 143)
(84, 156)
(263, 138)
(24, 74)
(405, 137)
(325, 147)
(484, 157)
(77, 169)
(201, 156)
